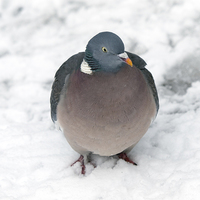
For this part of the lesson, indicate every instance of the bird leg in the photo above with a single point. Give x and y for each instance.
(123, 156)
(90, 161)
(81, 160)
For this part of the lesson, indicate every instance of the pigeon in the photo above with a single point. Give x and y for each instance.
(103, 99)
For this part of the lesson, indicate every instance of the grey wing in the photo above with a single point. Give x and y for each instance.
(66, 69)
(140, 63)
(136, 60)
(151, 82)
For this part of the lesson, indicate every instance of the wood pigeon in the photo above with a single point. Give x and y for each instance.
(104, 99)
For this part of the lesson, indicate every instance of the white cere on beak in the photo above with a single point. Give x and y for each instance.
(85, 68)
(123, 55)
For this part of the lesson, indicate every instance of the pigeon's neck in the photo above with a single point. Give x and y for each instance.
(91, 61)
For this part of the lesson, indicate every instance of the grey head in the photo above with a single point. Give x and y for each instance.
(105, 52)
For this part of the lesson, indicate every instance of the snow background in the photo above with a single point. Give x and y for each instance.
(36, 37)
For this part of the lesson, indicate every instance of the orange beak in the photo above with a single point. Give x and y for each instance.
(125, 58)
(129, 62)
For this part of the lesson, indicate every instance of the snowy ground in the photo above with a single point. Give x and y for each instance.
(36, 37)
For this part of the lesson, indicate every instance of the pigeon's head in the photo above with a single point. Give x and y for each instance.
(105, 52)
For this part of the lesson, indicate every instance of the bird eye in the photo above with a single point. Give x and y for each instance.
(104, 49)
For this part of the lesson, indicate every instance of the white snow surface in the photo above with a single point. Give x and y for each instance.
(36, 37)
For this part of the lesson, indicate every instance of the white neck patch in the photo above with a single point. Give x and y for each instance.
(85, 68)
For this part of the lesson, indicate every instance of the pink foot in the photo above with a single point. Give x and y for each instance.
(123, 156)
(81, 160)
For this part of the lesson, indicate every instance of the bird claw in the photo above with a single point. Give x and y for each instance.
(124, 157)
(81, 160)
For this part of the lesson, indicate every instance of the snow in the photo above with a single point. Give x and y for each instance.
(36, 38)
